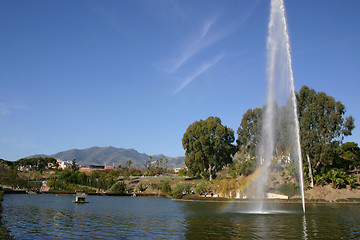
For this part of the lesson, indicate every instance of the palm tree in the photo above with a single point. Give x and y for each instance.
(149, 162)
(129, 162)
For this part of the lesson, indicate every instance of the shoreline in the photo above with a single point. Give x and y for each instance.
(321, 201)
(216, 199)
(4, 233)
(197, 198)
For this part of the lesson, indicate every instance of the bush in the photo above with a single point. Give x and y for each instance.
(201, 187)
(165, 187)
(180, 189)
(289, 189)
(182, 172)
(118, 187)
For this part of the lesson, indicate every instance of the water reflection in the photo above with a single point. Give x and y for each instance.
(56, 217)
(304, 228)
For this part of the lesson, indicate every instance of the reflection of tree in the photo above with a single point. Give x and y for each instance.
(206, 221)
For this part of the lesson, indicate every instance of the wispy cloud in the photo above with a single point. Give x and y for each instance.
(209, 34)
(203, 68)
(5, 109)
(212, 31)
(202, 40)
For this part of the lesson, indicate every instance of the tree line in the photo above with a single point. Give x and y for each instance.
(209, 145)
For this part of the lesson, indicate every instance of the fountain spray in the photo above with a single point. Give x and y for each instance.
(281, 92)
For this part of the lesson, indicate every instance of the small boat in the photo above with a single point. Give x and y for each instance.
(80, 197)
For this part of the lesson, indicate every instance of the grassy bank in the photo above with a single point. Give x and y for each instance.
(3, 231)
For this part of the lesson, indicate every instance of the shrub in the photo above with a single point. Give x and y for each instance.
(201, 187)
(289, 189)
(351, 179)
(165, 187)
(180, 189)
(118, 187)
(182, 172)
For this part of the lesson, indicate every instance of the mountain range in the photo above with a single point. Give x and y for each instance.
(112, 156)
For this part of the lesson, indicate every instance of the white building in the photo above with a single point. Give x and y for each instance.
(64, 164)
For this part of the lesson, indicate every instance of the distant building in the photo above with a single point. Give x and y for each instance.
(176, 170)
(64, 164)
(44, 187)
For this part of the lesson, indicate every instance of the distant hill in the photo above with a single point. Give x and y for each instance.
(112, 156)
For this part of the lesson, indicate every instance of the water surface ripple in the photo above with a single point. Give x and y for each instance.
(107, 217)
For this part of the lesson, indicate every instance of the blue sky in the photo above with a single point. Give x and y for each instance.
(136, 74)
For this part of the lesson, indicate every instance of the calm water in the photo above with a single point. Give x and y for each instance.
(105, 217)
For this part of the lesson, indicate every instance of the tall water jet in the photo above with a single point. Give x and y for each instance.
(280, 129)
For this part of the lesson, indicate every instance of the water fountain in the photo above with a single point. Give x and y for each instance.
(280, 122)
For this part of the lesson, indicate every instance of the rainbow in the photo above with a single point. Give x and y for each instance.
(243, 185)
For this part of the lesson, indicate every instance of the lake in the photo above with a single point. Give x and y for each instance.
(111, 217)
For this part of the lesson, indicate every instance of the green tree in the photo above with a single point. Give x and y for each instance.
(349, 156)
(322, 127)
(118, 187)
(166, 162)
(166, 187)
(180, 189)
(249, 131)
(129, 162)
(208, 147)
(74, 165)
(149, 162)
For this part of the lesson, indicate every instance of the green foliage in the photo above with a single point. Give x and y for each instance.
(118, 187)
(322, 126)
(34, 164)
(292, 169)
(351, 179)
(74, 165)
(96, 179)
(180, 189)
(349, 156)
(244, 165)
(290, 189)
(182, 172)
(129, 162)
(320, 179)
(208, 147)
(165, 187)
(249, 131)
(202, 187)
(337, 177)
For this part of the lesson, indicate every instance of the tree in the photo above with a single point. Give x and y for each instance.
(149, 162)
(118, 187)
(322, 127)
(349, 156)
(74, 165)
(166, 187)
(208, 147)
(129, 162)
(249, 131)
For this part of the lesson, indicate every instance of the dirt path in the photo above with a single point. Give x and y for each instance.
(331, 194)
